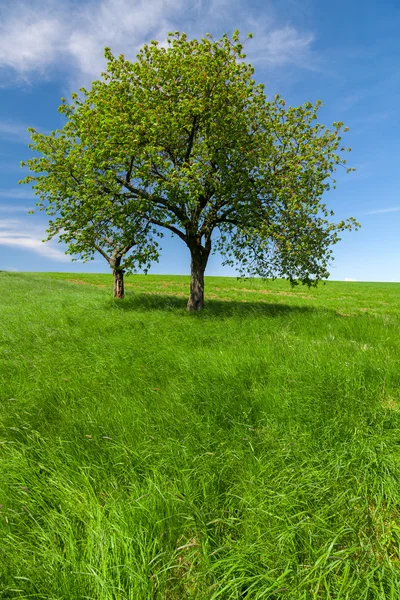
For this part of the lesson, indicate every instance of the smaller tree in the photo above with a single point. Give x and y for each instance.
(126, 247)
(88, 218)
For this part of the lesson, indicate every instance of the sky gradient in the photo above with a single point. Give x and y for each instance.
(345, 54)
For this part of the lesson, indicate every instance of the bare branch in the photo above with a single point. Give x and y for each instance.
(170, 227)
(100, 249)
(154, 199)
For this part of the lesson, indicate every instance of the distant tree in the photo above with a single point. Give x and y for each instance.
(88, 216)
(186, 140)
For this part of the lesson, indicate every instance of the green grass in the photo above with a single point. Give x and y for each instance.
(249, 451)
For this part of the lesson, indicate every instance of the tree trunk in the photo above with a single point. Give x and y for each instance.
(198, 266)
(118, 272)
(118, 283)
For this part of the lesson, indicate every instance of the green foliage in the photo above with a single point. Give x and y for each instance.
(90, 213)
(260, 462)
(184, 139)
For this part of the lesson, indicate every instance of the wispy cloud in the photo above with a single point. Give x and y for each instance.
(19, 234)
(349, 101)
(349, 279)
(12, 208)
(37, 36)
(372, 118)
(17, 193)
(29, 39)
(13, 132)
(8, 167)
(384, 210)
(276, 47)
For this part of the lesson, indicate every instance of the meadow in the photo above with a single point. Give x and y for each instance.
(251, 451)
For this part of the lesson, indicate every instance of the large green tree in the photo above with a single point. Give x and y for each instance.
(185, 139)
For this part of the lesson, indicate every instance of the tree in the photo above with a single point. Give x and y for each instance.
(186, 138)
(88, 217)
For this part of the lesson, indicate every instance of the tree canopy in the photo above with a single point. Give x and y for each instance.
(88, 218)
(183, 139)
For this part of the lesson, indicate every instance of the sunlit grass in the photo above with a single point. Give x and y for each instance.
(249, 451)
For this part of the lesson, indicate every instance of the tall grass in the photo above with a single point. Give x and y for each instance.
(250, 451)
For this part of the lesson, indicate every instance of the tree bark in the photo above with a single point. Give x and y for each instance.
(199, 258)
(115, 264)
(118, 283)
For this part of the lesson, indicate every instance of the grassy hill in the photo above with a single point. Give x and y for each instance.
(249, 451)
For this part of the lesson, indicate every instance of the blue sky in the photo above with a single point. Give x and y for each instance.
(346, 54)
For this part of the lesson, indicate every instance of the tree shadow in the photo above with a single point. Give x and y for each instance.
(213, 308)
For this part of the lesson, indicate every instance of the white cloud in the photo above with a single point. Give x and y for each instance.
(349, 279)
(8, 223)
(350, 101)
(38, 35)
(8, 167)
(17, 193)
(11, 208)
(13, 132)
(30, 42)
(18, 234)
(276, 47)
(384, 210)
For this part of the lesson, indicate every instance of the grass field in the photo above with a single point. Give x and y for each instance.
(249, 451)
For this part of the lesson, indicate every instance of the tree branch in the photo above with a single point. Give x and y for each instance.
(170, 227)
(170, 155)
(155, 199)
(207, 244)
(100, 249)
(126, 248)
(157, 172)
(191, 138)
(130, 169)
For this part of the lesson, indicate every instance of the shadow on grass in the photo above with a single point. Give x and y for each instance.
(213, 307)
